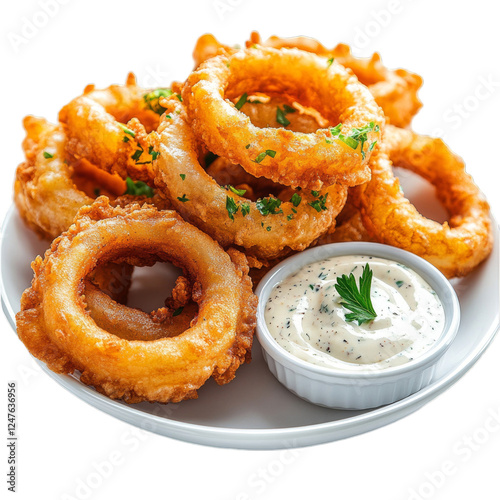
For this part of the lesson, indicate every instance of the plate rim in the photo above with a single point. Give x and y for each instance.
(260, 439)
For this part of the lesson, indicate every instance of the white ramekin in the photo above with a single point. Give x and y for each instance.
(355, 390)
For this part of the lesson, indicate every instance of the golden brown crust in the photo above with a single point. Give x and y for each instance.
(455, 247)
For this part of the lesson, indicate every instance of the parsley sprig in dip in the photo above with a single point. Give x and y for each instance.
(355, 312)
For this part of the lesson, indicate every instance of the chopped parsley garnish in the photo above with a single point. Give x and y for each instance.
(247, 146)
(126, 130)
(178, 311)
(289, 217)
(329, 62)
(245, 209)
(269, 206)
(138, 188)
(281, 114)
(400, 283)
(182, 176)
(281, 118)
(356, 137)
(268, 228)
(315, 193)
(125, 138)
(231, 207)
(361, 135)
(267, 152)
(239, 192)
(137, 154)
(357, 301)
(178, 97)
(183, 198)
(47, 155)
(296, 199)
(241, 101)
(154, 154)
(152, 100)
(320, 203)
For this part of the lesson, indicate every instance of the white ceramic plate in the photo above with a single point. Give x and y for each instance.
(255, 411)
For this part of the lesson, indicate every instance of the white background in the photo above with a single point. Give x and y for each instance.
(453, 45)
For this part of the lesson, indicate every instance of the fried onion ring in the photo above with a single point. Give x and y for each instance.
(290, 158)
(454, 247)
(108, 128)
(201, 201)
(56, 329)
(132, 324)
(49, 190)
(394, 90)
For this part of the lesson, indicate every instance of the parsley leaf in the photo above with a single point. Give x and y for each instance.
(47, 155)
(239, 192)
(245, 209)
(329, 62)
(361, 135)
(152, 99)
(296, 199)
(281, 118)
(137, 154)
(357, 301)
(231, 207)
(138, 188)
(182, 176)
(355, 137)
(261, 156)
(154, 154)
(183, 198)
(126, 130)
(241, 101)
(320, 203)
(269, 206)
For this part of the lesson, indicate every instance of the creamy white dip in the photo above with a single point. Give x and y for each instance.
(304, 315)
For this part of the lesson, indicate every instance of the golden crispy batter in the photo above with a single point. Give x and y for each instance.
(455, 247)
(56, 328)
(291, 158)
(44, 191)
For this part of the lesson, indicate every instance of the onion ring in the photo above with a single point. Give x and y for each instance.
(55, 327)
(455, 247)
(394, 90)
(108, 128)
(132, 324)
(46, 188)
(291, 158)
(201, 201)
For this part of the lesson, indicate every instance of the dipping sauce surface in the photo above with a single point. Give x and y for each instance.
(305, 316)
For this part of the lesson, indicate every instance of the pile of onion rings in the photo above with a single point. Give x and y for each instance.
(261, 152)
